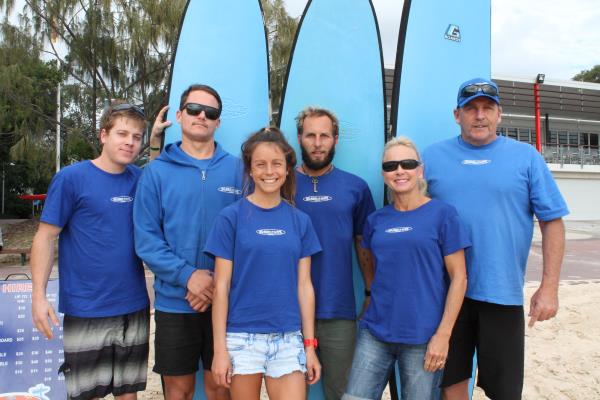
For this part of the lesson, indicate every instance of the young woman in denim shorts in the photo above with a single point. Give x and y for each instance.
(417, 243)
(263, 305)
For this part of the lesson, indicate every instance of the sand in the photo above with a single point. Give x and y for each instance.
(562, 358)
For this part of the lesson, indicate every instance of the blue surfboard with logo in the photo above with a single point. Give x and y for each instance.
(440, 45)
(222, 43)
(337, 64)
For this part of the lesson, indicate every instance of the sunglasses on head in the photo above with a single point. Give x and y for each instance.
(485, 88)
(391, 166)
(128, 107)
(195, 109)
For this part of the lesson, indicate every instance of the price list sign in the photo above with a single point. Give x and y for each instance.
(29, 362)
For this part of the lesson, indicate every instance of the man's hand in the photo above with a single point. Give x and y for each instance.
(200, 303)
(159, 127)
(41, 311)
(200, 281)
(543, 306)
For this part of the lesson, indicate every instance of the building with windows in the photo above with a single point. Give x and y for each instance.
(570, 132)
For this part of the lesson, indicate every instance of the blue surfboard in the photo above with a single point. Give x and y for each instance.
(440, 45)
(337, 64)
(222, 43)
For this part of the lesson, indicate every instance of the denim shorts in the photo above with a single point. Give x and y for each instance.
(272, 354)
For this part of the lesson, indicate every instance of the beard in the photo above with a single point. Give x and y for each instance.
(317, 165)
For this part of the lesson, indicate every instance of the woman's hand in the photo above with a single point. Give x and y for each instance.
(222, 369)
(313, 366)
(437, 352)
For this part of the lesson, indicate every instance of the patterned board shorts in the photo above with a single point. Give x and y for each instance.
(272, 354)
(105, 355)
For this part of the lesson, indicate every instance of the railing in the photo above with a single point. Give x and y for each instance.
(564, 154)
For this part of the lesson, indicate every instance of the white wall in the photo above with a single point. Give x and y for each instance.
(580, 186)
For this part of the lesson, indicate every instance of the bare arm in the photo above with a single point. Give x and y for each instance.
(221, 366)
(157, 132)
(306, 298)
(365, 261)
(437, 348)
(544, 302)
(42, 260)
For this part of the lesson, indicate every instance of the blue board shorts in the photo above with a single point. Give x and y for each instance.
(271, 354)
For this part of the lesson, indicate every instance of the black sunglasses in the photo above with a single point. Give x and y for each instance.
(391, 166)
(485, 88)
(128, 107)
(195, 109)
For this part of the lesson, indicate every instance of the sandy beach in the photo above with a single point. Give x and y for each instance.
(562, 357)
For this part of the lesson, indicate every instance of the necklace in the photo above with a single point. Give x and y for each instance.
(315, 178)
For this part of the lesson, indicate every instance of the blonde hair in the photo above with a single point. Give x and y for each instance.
(406, 142)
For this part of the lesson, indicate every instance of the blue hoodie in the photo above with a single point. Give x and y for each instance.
(175, 206)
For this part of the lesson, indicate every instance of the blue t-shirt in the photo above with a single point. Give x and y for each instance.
(409, 290)
(338, 210)
(265, 246)
(100, 274)
(496, 189)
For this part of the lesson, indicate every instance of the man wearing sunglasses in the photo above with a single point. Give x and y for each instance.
(338, 203)
(179, 195)
(102, 285)
(497, 185)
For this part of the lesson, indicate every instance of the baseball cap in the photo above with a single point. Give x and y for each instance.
(477, 87)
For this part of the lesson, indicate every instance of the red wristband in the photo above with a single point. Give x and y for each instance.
(311, 342)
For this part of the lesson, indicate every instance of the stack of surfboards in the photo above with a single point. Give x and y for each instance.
(336, 63)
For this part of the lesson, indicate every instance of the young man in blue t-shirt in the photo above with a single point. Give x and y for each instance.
(497, 185)
(102, 289)
(180, 194)
(338, 203)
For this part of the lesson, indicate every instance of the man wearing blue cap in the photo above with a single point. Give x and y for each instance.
(497, 185)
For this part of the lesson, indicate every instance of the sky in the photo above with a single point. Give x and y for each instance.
(559, 38)
(556, 37)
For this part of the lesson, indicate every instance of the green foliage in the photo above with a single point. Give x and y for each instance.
(27, 111)
(281, 30)
(589, 75)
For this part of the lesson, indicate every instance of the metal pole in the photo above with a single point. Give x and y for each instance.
(538, 130)
(58, 127)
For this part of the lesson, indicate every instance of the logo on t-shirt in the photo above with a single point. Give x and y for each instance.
(317, 199)
(476, 162)
(270, 232)
(121, 199)
(399, 229)
(229, 190)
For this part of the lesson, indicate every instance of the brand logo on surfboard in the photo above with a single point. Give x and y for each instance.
(229, 190)
(232, 109)
(476, 162)
(453, 33)
(121, 199)
(270, 232)
(317, 199)
(399, 229)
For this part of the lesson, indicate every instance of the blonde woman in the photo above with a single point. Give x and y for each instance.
(420, 281)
